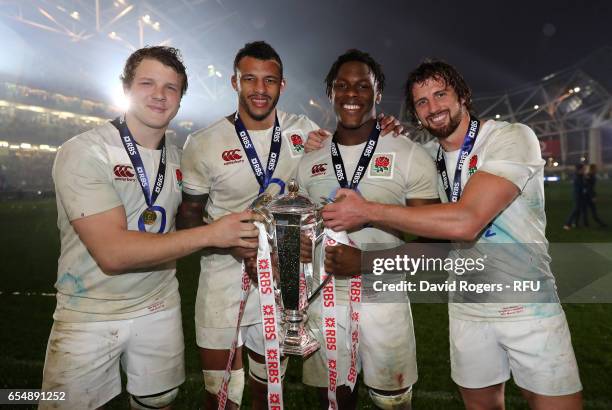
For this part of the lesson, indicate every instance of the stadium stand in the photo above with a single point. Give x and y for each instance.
(33, 123)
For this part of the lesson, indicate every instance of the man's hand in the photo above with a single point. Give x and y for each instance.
(389, 124)
(234, 230)
(315, 140)
(241, 253)
(347, 212)
(342, 260)
(305, 249)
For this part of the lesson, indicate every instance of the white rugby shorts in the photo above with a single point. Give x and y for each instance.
(222, 338)
(537, 352)
(83, 358)
(387, 349)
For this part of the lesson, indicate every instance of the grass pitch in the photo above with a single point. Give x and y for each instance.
(29, 248)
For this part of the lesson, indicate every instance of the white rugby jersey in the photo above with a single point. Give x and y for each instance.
(92, 174)
(510, 151)
(399, 170)
(214, 163)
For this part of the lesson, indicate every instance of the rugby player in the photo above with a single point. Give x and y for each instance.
(491, 180)
(392, 171)
(118, 187)
(225, 167)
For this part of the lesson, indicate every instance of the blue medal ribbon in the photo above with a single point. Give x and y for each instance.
(263, 176)
(132, 150)
(466, 148)
(362, 165)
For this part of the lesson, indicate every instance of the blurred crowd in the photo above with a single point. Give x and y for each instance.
(26, 171)
(39, 127)
(32, 96)
(37, 117)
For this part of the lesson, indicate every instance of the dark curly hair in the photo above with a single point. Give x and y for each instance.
(168, 56)
(439, 70)
(259, 50)
(355, 55)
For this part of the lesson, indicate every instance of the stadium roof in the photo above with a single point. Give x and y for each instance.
(78, 47)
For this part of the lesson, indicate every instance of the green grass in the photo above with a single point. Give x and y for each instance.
(29, 249)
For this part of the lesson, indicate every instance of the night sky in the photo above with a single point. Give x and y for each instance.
(497, 45)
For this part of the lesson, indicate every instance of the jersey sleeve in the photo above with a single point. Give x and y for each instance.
(196, 177)
(513, 154)
(422, 178)
(83, 180)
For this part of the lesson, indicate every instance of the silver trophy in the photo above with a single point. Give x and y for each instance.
(289, 219)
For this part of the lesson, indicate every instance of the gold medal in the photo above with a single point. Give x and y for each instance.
(149, 216)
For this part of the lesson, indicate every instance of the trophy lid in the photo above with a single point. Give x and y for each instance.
(292, 201)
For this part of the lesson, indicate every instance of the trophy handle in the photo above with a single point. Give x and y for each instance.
(316, 292)
(268, 220)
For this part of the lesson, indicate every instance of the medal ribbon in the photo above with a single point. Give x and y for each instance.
(263, 176)
(355, 281)
(468, 144)
(362, 165)
(354, 305)
(132, 150)
(244, 294)
(330, 332)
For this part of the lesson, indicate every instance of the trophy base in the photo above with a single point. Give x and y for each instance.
(296, 340)
(299, 345)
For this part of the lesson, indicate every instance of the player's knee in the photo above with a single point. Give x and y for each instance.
(213, 380)
(154, 401)
(395, 401)
(489, 398)
(259, 371)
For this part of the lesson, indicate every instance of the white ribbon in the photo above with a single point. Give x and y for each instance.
(333, 238)
(269, 323)
(244, 294)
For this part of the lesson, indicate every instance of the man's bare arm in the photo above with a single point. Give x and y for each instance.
(191, 214)
(118, 250)
(484, 197)
(414, 202)
(191, 211)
